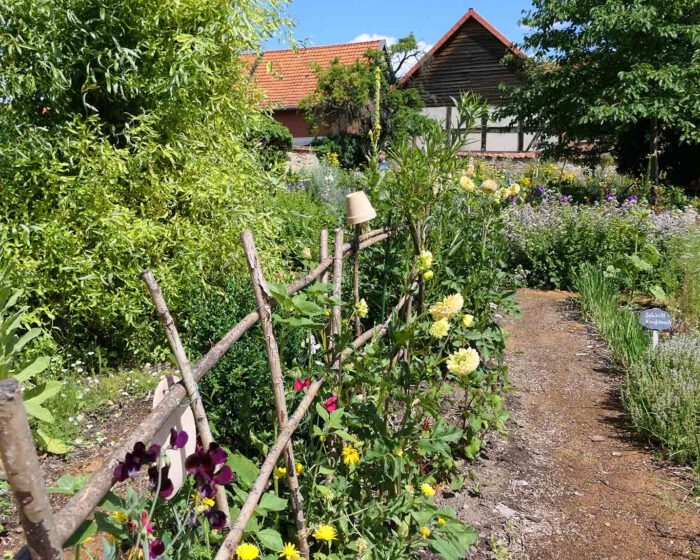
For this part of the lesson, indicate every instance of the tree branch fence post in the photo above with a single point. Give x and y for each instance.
(261, 297)
(24, 475)
(336, 317)
(183, 364)
(356, 279)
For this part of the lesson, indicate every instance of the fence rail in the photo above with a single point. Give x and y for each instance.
(56, 529)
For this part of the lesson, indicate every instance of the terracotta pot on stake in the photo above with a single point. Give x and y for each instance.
(359, 211)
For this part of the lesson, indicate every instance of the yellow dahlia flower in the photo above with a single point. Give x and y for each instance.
(427, 490)
(350, 455)
(439, 329)
(325, 533)
(425, 260)
(428, 275)
(448, 307)
(361, 309)
(290, 552)
(467, 184)
(424, 532)
(489, 186)
(247, 551)
(463, 362)
(467, 320)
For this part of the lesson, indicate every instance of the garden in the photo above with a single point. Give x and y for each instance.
(343, 375)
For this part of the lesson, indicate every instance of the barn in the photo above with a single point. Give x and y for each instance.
(468, 58)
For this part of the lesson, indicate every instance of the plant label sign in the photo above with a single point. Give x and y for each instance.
(656, 319)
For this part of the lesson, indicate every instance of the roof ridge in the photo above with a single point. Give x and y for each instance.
(335, 45)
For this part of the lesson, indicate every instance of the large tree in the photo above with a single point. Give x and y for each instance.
(602, 68)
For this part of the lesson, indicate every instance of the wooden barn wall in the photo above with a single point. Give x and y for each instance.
(468, 61)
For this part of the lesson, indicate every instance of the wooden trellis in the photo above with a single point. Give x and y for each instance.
(46, 532)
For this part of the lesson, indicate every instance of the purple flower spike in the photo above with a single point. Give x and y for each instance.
(178, 440)
(217, 519)
(156, 548)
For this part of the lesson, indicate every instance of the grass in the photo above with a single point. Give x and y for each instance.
(662, 388)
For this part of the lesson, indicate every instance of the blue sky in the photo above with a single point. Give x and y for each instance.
(325, 22)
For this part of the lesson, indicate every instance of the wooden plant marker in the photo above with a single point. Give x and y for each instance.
(183, 364)
(24, 475)
(261, 297)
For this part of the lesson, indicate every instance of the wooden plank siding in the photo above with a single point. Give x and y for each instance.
(469, 61)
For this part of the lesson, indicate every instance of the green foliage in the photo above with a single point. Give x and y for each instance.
(346, 96)
(352, 149)
(600, 66)
(680, 278)
(662, 395)
(122, 147)
(272, 141)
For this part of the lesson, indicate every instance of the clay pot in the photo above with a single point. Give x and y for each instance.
(359, 209)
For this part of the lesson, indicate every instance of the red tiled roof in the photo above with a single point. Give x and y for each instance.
(291, 76)
(471, 14)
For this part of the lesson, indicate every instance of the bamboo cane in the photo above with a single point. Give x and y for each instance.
(261, 295)
(24, 475)
(183, 364)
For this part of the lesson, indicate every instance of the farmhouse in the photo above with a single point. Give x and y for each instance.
(468, 59)
(287, 76)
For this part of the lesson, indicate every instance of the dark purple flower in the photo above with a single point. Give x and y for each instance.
(632, 199)
(166, 485)
(156, 548)
(178, 439)
(217, 519)
(610, 196)
(134, 460)
(203, 466)
(540, 189)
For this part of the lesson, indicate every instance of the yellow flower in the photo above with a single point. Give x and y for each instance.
(502, 194)
(428, 275)
(247, 551)
(120, 516)
(439, 329)
(441, 521)
(467, 320)
(299, 468)
(514, 189)
(410, 489)
(290, 552)
(463, 362)
(448, 307)
(398, 452)
(424, 532)
(425, 260)
(525, 181)
(467, 184)
(325, 533)
(280, 472)
(361, 309)
(333, 159)
(202, 504)
(489, 186)
(470, 170)
(350, 455)
(427, 490)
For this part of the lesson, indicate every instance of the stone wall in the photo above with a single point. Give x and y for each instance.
(301, 158)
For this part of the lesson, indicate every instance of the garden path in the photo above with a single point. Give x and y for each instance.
(569, 481)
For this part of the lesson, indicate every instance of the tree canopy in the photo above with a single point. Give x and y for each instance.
(601, 67)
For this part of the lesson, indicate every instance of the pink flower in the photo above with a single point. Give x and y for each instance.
(300, 385)
(331, 404)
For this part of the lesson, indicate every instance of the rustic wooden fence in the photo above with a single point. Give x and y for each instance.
(46, 532)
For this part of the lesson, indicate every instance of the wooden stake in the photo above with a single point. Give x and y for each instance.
(356, 279)
(323, 253)
(261, 297)
(183, 364)
(337, 284)
(24, 475)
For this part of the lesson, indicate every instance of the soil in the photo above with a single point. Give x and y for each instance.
(569, 482)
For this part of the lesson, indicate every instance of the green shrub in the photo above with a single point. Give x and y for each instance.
(662, 394)
(680, 277)
(272, 141)
(123, 147)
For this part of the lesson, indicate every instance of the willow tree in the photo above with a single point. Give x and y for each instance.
(123, 144)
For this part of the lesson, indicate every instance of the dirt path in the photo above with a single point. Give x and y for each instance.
(569, 482)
